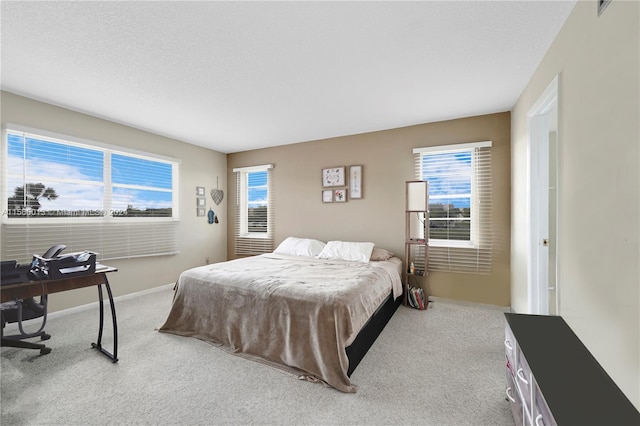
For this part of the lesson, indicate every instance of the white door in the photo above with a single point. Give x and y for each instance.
(542, 192)
(552, 204)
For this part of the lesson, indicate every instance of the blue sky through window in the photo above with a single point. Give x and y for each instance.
(76, 173)
(39, 151)
(449, 175)
(257, 189)
(138, 171)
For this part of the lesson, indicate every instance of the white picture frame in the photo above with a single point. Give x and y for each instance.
(327, 196)
(355, 182)
(333, 176)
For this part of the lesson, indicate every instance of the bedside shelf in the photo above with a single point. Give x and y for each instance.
(416, 243)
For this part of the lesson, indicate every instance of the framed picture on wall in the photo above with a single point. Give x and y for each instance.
(327, 196)
(355, 182)
(333, 176)
(339, 195)
(200, 191)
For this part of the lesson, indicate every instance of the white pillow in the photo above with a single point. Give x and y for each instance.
(293, 246)
(344, 250)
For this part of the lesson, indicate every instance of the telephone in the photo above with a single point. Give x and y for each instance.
(54, 251)
(37, 268)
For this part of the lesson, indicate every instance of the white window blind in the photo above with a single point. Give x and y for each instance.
(88, 196)
(460, 206)
(254, 213)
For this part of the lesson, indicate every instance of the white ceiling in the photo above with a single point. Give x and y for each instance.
(234, 76)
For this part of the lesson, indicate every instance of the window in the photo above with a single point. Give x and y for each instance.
(449, 176)
(141, 187)
(459, 179)
(254, 210)
(85, 195)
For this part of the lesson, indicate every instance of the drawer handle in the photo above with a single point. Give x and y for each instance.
(520, 375)
(509, 395)
(539, 421)
(507, 343)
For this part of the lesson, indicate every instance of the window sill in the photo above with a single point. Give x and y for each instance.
(452, 244)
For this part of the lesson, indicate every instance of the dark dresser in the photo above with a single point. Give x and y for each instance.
(552, 379)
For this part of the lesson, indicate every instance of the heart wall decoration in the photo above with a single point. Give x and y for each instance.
(217, 194)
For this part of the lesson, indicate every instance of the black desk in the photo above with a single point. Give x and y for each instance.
(11, 292)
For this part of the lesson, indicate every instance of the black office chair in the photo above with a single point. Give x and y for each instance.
(26, 309)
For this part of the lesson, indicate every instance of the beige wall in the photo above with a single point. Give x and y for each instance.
(379, 217)
(199, 167)
(597, 60)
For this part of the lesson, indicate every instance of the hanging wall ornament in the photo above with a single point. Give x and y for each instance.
(217, 194)
(211, 216)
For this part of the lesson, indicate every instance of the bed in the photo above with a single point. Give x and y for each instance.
(309, 308)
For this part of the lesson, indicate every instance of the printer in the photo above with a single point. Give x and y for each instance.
(64, 266)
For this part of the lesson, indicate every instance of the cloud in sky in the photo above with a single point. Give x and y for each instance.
(450, 176)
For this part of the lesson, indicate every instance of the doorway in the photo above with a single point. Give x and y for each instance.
(543, 291)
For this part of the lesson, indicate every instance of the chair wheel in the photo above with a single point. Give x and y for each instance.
(45, 351)
(45, 336)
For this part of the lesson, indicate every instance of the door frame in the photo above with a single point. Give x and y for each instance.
(538, 200)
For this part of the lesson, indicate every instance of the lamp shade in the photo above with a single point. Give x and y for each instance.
(417, 196)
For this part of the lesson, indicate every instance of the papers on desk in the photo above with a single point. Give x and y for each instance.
(101, 267)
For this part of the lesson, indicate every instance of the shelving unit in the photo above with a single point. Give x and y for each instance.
(416, 245)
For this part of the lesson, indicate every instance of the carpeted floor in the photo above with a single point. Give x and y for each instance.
(443, 366)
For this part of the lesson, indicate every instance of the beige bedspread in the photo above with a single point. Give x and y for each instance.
(295, 313)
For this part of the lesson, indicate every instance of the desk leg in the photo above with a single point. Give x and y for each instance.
(113, 357)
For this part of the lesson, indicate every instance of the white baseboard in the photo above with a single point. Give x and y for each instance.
(94, 305)
(464, 302)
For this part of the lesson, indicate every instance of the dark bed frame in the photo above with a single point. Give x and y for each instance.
(370, 332)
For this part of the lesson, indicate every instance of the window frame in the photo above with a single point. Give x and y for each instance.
(252, 243)
(106, 182)
(464, 257)
(473, 219)
(244, 204)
